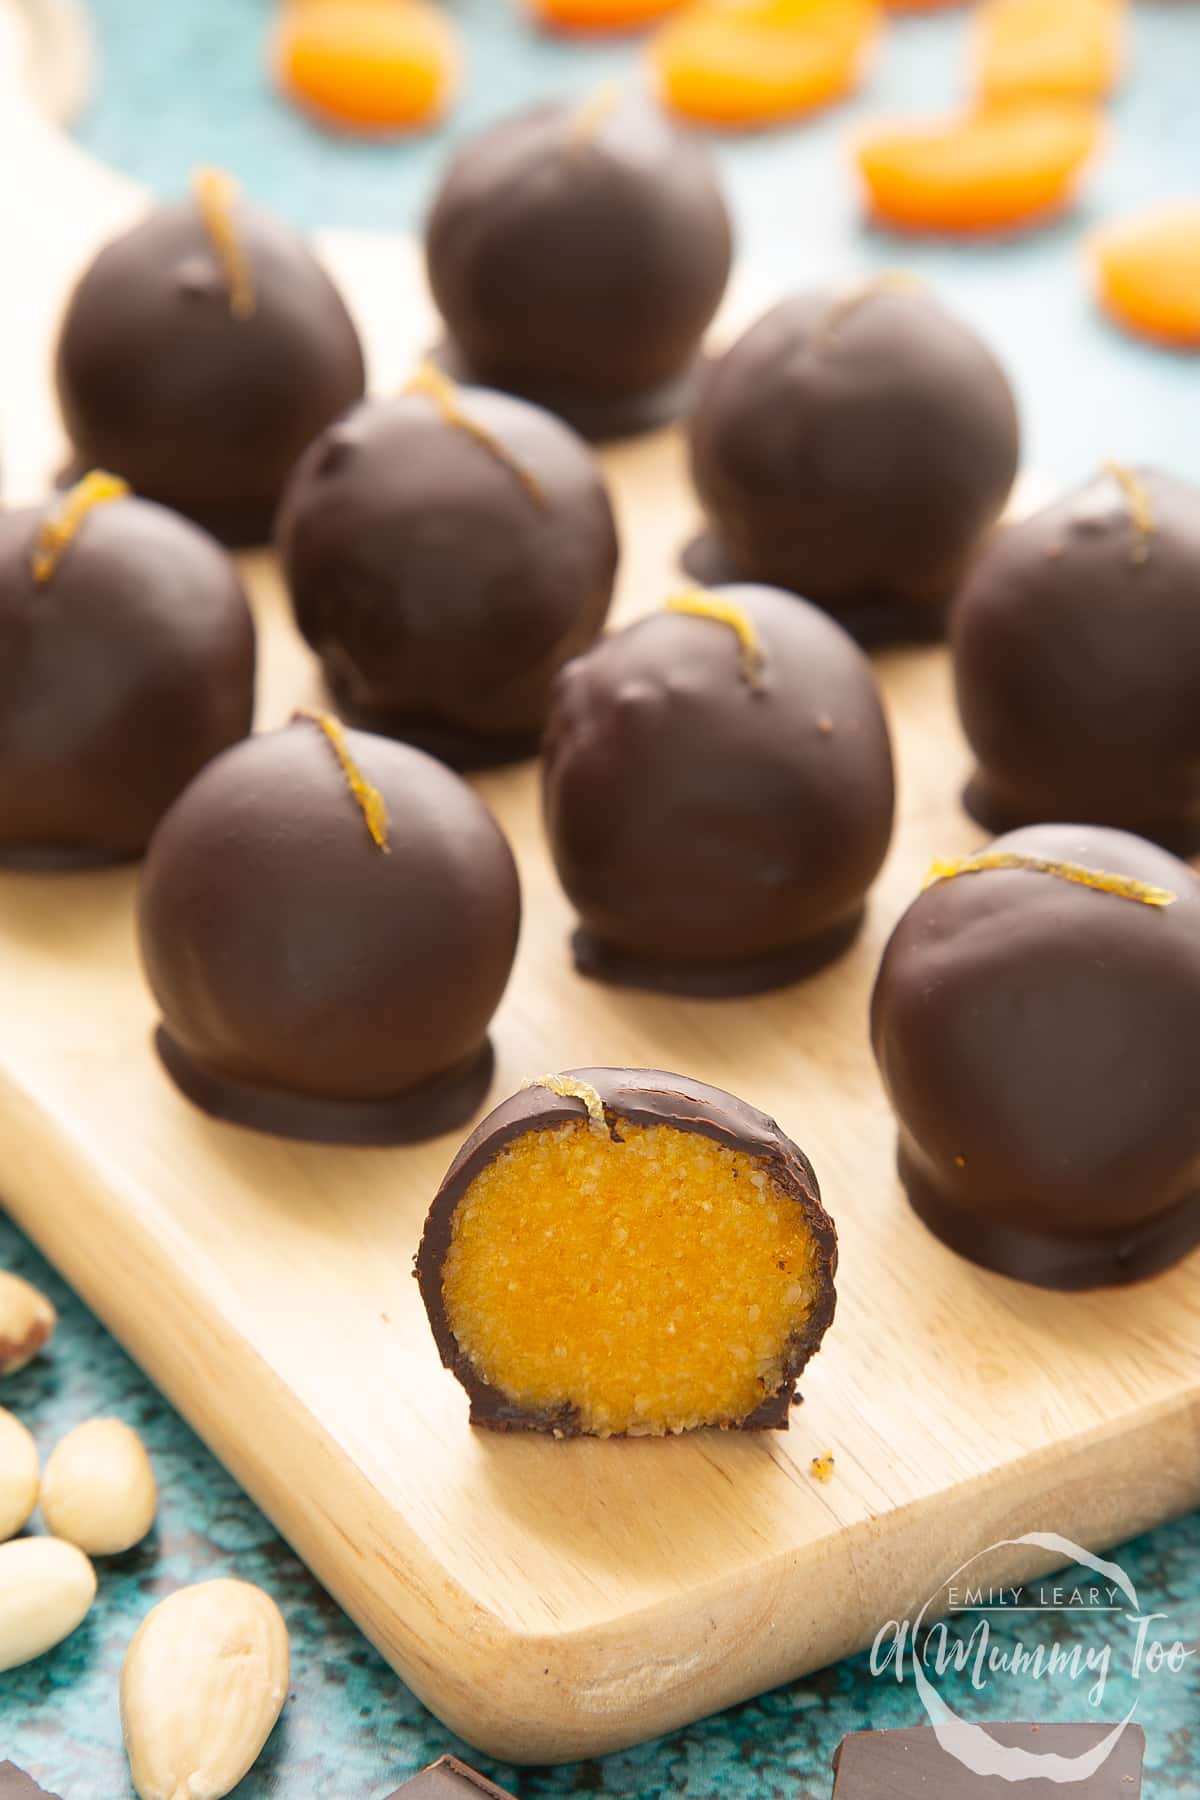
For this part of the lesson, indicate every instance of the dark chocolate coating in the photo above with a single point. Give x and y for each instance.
(1076, 646)
(120, 677)
(451, 1779)
(1039, 1043)
(15, 1784)
(911, 1765)
(855, 450)
(640, 1097)
(580, 263)
(309, 983)
(159, 382)
(441, 595)
(714, 837)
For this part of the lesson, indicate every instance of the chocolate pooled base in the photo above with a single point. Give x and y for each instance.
(407, 1118)
(713, 979)
(598, 417)
(645, 1097)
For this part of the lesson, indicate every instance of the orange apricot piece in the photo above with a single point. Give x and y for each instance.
(919, 6)
(1065, 49)
(755, 62)
(599, 15)
(367, 65)
(1147, 272)
(995, 170)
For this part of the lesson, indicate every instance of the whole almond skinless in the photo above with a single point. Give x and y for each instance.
(27, 1322)
(203, 1683)
(98, 1490)
(46, 1588)
(18, 1475)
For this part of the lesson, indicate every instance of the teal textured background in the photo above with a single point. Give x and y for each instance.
(183, 82)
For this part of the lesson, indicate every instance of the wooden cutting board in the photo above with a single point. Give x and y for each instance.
(551, 1600)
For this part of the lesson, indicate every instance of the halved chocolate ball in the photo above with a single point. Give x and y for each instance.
(328, 921)
(1036, 1021)
(623, 1252)
(200, 353)
(126, 662)
(718, 793)
(1076, 646)
(447, 551)
(854, 447)
(578, 253)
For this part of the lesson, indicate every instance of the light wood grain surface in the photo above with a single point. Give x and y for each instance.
(546, 1599)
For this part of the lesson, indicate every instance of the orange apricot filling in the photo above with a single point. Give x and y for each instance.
(599, 15)
(368, 65)
(1065, 49)
(991, 171)
(750, 62)
(1147, 273)
(651, 1283)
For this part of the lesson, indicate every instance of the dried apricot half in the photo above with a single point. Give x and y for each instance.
(599, 15)
(367, 65)
(1147, 271)
(995, 170)
(1068, 49)
(754, 62)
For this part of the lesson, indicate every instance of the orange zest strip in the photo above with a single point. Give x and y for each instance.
(430, 381)
(58, 529)
(568, 1087)
(595, 112)
(1141, 511)
(370, 801)
(700, 604)
(216, 195)
(1124, 887)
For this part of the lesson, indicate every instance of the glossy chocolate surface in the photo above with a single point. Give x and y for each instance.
(911, 1765)
(642, 1097)
(577, 254)
(160, 382)
(715, 836)
(443, 580)
(121, 674)
(1076, 648)
(854, 448)
(311, 983)
(1039, 1042)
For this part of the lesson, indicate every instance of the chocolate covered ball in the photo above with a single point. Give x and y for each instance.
(328, 921)
(447, 551)
(200, 353)
(1037, 1024)
(718, 794)
(577, 254)
(1076, 647)
(854, 447)
(126, 662)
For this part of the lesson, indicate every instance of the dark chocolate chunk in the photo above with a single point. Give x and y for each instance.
(448, 1779)
(854, 448)
(624, 1252)
(718, 794)
(1076, 647)
(577, 254)
(201, 352)
(126, 662)
(328, 921)
(15, 1784)
(447, 551)
(911, 1765)
(1038, 1032)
